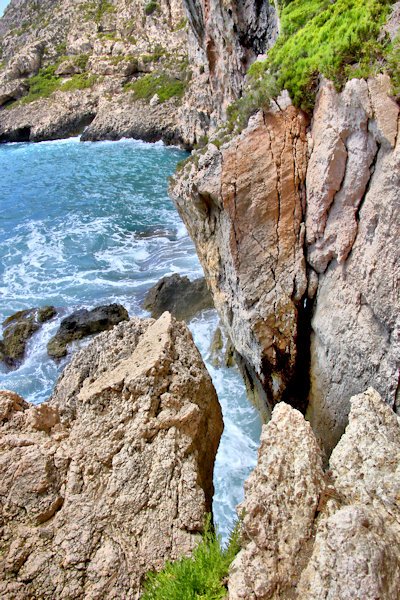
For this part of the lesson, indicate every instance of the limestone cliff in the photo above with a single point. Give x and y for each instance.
(310, 536)
(112, 476)
(296, 226)
(89, 57)
(80, 62)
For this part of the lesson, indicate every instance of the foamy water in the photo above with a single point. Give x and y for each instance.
(88, 224)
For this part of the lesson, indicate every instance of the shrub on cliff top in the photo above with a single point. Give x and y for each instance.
(200, 577)
(338, 39)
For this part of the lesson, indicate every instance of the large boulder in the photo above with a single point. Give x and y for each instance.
(180, 296)
(113, 476)
(82, 323)
(319, 536)
(19, 328)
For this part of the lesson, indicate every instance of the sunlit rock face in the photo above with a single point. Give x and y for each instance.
(310, 535)
(112, 476)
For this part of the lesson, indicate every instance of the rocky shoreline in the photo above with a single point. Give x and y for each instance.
(295, 218)
(113, 476)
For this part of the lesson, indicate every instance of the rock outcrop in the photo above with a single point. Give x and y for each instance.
(224, 39)
(179, 296)
(312, 536)
(113, 476)
(114, 43)
(297, 233)
(86, 54)
(352, 232)
(82, 323)
(18, 329)
(243, 205)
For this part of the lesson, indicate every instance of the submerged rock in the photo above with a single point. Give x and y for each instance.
(82, 323)
(113, 476)
(313, 536)
(180, 296)
(18, 329)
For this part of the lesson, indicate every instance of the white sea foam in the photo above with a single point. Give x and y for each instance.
(101, 232)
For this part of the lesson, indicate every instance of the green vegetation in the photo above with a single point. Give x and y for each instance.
(46, 81)
(96, 9)
(81, 81)
(81, 61)
(42, 85)
(162, 84)
(151, 7)
(181, 24)
(155, 55)
(61, 49)
(200, 577)
(338, 39)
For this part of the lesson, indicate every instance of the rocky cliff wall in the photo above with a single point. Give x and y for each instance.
(120, 41)
(296, 228)
(224, 40)
(113, 476)
(96, 50)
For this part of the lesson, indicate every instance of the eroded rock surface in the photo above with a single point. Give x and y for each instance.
(352, 232)
(224, 39)
(18, 329)
(113, 476)
(243, 206)
(281, 498)
(312, 536)
(298, 237)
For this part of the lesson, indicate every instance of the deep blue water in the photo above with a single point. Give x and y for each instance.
(85, 224)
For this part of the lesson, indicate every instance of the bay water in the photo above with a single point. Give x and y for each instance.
(86, 224)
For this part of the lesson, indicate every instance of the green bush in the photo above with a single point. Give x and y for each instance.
(337, 39)
(81, 61)
(200, 577)
(162, 84)
(151, 7)
(80, 81)
(96, 9)
(42, 85)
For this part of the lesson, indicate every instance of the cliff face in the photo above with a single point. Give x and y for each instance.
(113, 476)
(277, 214)
(80, 62)
(114, 43)
(224, 39)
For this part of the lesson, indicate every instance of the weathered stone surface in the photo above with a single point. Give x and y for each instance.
(82, 323)
(316, 537)
(353, 244)
(113, 43)
(179, 296)
(243, 206)
(357, 548)
(11, 90)
(19, 328)
(125, 117)
(281, 499)
(114, 475)
(225, 38)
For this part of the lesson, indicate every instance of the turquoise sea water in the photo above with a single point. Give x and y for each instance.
(86, 224)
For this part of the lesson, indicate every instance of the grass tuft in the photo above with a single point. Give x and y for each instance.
(200, 577)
